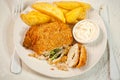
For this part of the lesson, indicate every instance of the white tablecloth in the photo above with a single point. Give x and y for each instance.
(99, 72)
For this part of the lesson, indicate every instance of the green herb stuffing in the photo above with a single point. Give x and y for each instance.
(53, 54)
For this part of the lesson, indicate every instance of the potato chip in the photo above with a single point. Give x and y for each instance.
(72, 16)
(69, 5)
(86, 6)
(34, 18)
(49, 9)
(63, 10)
(82, 14)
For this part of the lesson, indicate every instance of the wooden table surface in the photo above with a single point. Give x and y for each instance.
(99, 72)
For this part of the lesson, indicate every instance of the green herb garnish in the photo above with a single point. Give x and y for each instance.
(57, 50)
(53, 52)
(56, 56)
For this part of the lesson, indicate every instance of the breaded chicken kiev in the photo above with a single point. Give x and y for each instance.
(48, 36)
(77, 56)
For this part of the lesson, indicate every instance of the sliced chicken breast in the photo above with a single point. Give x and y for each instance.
(73, 56)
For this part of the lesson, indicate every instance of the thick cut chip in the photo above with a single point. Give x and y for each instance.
(82, 14)
(86, 6)
(72, 16)
(69, 5)
(63, 10)
(34, 18)
(49, 9)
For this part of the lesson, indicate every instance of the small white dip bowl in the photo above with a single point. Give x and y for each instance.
(86, 31)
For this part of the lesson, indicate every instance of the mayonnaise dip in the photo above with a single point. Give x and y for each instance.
(85, 31)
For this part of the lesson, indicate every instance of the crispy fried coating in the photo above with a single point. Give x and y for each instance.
(48, 36)
(83, 57)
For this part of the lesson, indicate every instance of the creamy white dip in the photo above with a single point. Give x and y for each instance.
(85, 31)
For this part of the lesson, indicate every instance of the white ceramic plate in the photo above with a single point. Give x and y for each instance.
(94, 50)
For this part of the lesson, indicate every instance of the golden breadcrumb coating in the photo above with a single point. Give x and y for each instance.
(48, 36)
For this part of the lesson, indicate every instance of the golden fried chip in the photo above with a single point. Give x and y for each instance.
(82, 14)
(34, 18)
(69, 5)
(72, 16)
(49, 9)
(86, 6)
(63, 10)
